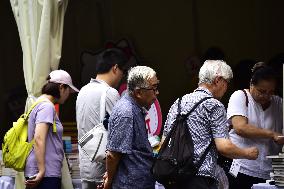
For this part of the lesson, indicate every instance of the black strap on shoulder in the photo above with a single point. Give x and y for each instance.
(200, 162)
(195, 106)
(247, 102)
(179, 104)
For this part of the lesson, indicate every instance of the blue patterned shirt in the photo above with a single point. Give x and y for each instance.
(206, 122)
(128, 135)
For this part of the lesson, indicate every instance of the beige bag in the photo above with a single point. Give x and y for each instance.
(66, 180)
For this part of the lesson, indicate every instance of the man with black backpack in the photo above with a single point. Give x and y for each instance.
(204, 116)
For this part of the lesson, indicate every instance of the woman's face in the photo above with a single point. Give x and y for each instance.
(262, 91)
(64, 94)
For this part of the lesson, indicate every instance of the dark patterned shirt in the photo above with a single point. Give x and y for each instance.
(128, 135)
(206, 122)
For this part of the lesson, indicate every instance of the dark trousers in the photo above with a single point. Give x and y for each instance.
(196, 182)
(243, 181)
(49, 183)
(89, 185)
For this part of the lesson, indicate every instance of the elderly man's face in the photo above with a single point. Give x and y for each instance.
(149, 94)
(222, 86)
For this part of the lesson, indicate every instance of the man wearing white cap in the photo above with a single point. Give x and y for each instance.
(44, 163)
(111, 67)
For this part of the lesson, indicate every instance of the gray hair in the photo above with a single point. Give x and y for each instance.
(138, 77)
(212, 69)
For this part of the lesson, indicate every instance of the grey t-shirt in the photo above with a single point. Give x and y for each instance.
(88, 115)
(44, 112)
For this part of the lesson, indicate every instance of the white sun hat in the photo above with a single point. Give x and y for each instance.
(61, 76)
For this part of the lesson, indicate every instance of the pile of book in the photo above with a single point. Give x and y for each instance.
(6, 171)
(278, 169)
(67, 145)
(70, 129)
(73, 162)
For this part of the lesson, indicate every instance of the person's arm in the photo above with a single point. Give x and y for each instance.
(40, 136)
(220, 133)
(244, 129)
(228, 149)
(119, 142)
(112, 161)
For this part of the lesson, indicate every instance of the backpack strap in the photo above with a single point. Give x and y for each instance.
(195, 106)
(179, 108)
(32, 107)
(54, 129)
(200, 162)
(103, 106)
(246, 97)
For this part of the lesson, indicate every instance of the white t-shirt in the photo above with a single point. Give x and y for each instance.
(271, 118)
(87, 116)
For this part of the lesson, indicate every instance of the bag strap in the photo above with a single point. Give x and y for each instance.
(32, 107)
(102, 111)
(195, 106)
(54, 129)
(200, 162)
(103, 106)
(246, 97)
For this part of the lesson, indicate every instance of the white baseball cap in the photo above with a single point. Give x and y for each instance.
(61, 76)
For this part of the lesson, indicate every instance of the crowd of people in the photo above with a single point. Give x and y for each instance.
(250, 129)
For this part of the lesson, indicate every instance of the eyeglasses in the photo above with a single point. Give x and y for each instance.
(263, 93)
(155, 89)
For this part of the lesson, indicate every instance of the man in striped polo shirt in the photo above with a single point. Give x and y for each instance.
(208, 123)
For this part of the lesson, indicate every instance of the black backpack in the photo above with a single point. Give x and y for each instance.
(174, 162)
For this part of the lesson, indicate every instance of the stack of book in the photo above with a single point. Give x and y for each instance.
(73, 162)
(278, 169)
(75, 148)
(67, 145)
(6, 171)
(70, 129)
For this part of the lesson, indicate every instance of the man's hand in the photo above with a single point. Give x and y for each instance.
(278, 138)
(230, 150)
(252, 153)
(104, 185)
(107, 183)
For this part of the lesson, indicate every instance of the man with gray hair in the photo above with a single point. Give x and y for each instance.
(130, 155)
(207, 125)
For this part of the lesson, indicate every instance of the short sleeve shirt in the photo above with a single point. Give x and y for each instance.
(88, 116)
(206, 122)
(44, 112)
(128, 135)
(271, 119)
